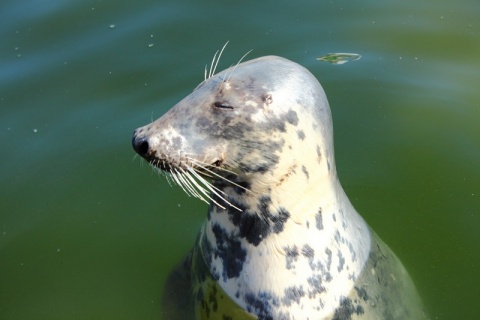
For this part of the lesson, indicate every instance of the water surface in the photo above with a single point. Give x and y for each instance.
(88, 231)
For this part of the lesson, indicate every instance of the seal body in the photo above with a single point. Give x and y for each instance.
(281, 239)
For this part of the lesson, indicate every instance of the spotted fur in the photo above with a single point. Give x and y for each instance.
(281, 239)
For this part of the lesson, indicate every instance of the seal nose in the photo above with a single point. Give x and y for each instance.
(140, 145)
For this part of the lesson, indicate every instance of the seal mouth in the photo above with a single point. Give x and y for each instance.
(167, 165)
(195, 178)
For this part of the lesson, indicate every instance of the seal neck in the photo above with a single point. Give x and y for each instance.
(313, 231)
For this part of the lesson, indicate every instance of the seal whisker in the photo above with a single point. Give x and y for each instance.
(199, 163)
(154, 167)
(191, 189)
(193, 186)
(167, 177)
(222, 177)
(239, 61)
(218, 59)
(213, 189)
(205, 182)
(204, 164)
(179, 180)
(214, 63)
(135, 157)
(176, 178)
(202, 189)
(211, 65)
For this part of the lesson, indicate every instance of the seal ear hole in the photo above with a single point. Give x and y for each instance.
(267, 98)
(222, 105)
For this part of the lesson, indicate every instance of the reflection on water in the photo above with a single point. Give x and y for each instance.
(340, 58)
(87, 231)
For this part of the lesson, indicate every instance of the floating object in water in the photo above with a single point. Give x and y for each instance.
(340, 58)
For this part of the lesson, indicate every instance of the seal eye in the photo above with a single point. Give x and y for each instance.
(222, 105)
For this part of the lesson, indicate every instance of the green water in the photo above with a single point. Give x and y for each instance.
(88, 231)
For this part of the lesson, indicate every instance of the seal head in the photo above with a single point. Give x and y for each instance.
(238, 120)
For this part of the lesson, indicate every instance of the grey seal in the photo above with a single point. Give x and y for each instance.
(281, 239)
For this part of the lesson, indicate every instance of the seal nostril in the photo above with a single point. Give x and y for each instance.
(143, 148)
(140, 145)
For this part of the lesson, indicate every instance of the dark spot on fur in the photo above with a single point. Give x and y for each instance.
(329, 258)
(342, 219)
(352, 252)
(221, 126)
(243, 185)
(212, 298)
(316, 287)
(308, 251)
(292, 117)
(234, 131)
(362, 293)
(261, 304)
(277, 125)
(301, 134)
(338, 238)
(255, 224)
(264, 204)
(304, 169)
(291, 256)
(293, 294)
(341, 261)
(255, 167)
(230, 251)
(268, 160)
(319, 219)
(215, 274)
(251, 226)
(327, 277)
(346, 310)
(279, 220)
